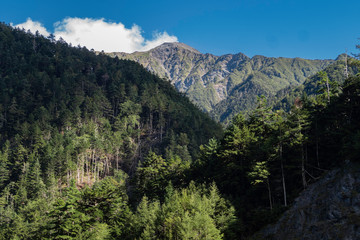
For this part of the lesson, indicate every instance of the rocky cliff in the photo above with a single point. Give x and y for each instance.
(224, 84)
(327, 209)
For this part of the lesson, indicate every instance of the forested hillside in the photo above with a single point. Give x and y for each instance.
(264, 161)
(334, 75)
(49, 87)
(70, 118)
(94, 147)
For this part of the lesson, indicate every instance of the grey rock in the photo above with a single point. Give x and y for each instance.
(327, 209)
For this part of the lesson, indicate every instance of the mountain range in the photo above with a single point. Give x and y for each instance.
(95, 147)
(228, 84)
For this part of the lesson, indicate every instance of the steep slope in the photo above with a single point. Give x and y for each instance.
(328, 209)
(80, 132)
(224, 85)
(268, 76)
(264, 161)
(114, 108)
(203, 77)
(285, 98)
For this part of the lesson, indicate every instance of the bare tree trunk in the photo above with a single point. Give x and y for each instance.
(95, 173)
(283, 176)
(78, 174)
(269, 190)
(139, 141)
(98, 172)
(161, 132)
(107, 166)
(117, 159)
(95, 162)
(88, 161)
(303, 166)
(328, 89)
(82, 168)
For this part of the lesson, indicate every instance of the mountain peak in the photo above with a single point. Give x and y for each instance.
(174, 45)
(342, 57)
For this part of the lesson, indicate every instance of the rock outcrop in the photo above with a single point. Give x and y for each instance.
(327, 209)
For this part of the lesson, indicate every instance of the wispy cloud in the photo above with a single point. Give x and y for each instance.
(158, 39)
(100, 34)
(33, 27)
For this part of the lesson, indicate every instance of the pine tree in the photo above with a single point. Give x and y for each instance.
(298, 124)
(260, 174)
(151, 175)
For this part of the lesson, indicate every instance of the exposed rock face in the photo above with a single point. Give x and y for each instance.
(328, 209)
(208, 79)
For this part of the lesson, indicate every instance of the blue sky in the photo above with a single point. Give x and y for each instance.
(308, 29)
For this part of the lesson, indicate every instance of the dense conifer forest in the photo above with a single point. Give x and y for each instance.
(94, 147)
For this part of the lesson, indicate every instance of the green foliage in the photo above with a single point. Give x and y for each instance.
(189, 213)
(58, 88)
(265, 160)
(336, 75)
(73, 125)
(264, 76)
(151, 175)
(67, 221)
(75, 161)
(100, 212)
(260, 173)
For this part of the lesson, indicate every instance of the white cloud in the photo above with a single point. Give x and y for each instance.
(101, 35)
(33, 27)
(158, 39)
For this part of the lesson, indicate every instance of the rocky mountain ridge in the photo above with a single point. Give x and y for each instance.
(212, 82)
